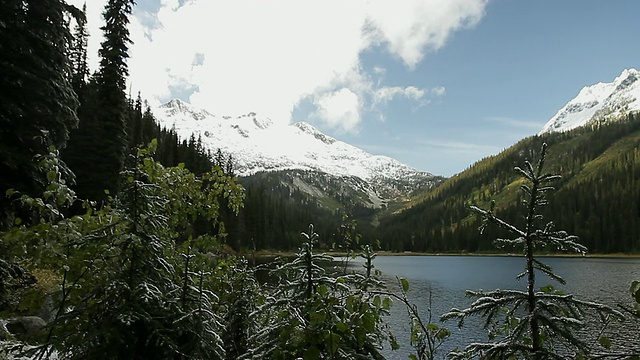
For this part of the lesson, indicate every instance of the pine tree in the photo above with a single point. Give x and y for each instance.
(548, 328)
(100, 145)
(38, 102)
(78, 55)
(313, 314)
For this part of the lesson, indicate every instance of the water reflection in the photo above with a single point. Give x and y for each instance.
(604, 280)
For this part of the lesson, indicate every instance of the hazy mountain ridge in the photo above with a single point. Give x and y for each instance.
(599, 103)
(258, 144)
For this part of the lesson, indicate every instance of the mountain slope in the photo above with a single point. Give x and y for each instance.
(258, 144)
(597, 199)
(599, 103)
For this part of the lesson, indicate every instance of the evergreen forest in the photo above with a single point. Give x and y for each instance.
(598, 197)
(120, 240)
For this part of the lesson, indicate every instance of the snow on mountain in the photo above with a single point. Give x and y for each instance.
(601, 102)
(258, 144)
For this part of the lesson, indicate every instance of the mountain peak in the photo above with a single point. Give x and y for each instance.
(600, 102)
(177, 106)
(257, 145)
(309, 129)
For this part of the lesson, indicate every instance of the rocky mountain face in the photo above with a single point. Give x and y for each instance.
(258, 144)
(599, 103)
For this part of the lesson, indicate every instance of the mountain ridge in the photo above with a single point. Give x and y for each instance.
(258, 144)
(599, 103)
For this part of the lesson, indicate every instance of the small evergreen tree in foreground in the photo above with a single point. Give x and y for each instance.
(314, 314)
(535, 323)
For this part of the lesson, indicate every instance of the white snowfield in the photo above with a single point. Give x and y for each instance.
(259, 144)
(601, 102)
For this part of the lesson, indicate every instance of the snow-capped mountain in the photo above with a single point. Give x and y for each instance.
(258, 144)
(601, 102)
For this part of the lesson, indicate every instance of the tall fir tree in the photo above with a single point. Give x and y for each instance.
(38, 102)
(99, 146)
(78, 55)
(537, 323)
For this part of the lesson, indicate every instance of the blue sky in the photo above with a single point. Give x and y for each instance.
(435, 84)
(505, 78)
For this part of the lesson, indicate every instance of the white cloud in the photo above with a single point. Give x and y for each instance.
(410, 28)
(379, 70)
(254, 55)
(387, 93)
(339, 109)
(438, 91)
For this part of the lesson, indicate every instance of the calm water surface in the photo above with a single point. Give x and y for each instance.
(604, 280)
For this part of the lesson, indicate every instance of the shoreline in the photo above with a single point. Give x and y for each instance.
(267, 254)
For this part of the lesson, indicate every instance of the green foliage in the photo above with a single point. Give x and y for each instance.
(426, 337)
(534, 323)
(135, 278)
(273, 207)
(315, 314)
(38, 102)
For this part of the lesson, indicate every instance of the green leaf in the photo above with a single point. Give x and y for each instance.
(394, 342)
(360, 334)
(312, 353)
(333, 342)
(386, 303)
(405, 284)
(605, 342)
(51, 176)
(322, 289)
(548, 289)
(369, 322)
(342, 327)
(443, 334)
(318, 317)
(412, 357)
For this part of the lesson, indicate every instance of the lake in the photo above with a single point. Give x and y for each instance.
(604, 280)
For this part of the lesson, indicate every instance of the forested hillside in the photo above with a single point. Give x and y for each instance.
(275, 207)
(597, 199)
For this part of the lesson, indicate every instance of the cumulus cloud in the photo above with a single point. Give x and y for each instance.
(339, 109)
(411, 28)
(233, 57)
(438, 90)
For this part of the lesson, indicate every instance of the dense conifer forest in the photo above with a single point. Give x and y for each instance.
(597, 199)
(119, 240)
